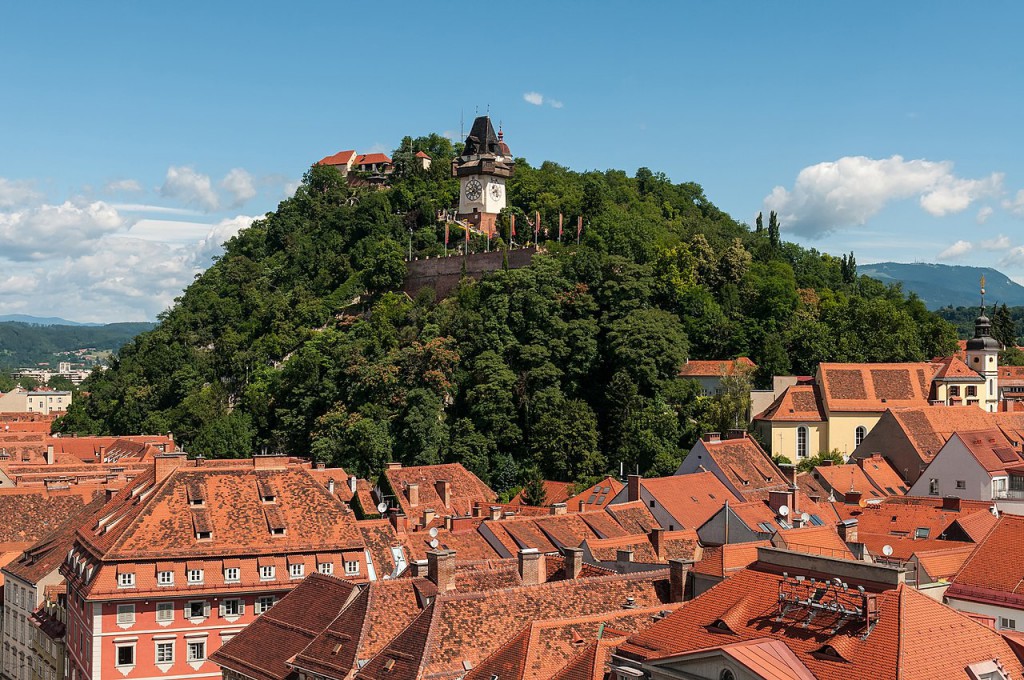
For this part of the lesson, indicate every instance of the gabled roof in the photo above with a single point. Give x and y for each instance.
(633, 517)
(682, 545)
(902, 645)
(690, 499)
(797, 403)
(29, 514)
(745, 465)
(928, 428)
(554, 492)
(46, 555)
(814, 540)
(991, 449)
(716, 369)
(466, 489)
(874, 387)
(953, 369)
(596, 497)
(371, 158)
(845, 478)
(723, 561)
(976, 524)
(994, 572)
(883, 475)
(942, 564)
(340, 158)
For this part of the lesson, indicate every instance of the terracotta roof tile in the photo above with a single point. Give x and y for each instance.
(944, 563)
(841, 479)
(883, 475)
(724, 560)
(692, 499)
(994, 572)
(596, 497)
(633, 517)
(465, 489)
(555, 492)
(49, 552)
(814, 540)
(715, 369)
(874, 387)
(797, 403)
(928, 428)
(993, 451)
(340, 158)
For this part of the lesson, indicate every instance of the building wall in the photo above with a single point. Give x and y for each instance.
(955, 463)
(444, 273)
(992, 610)
(21, 599)
(888, 438)
(842, 430)
(784, 434)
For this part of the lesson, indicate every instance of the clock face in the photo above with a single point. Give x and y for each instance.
(496, 192)
(473, 190)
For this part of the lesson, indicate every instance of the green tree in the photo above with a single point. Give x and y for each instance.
(534, 493)
(564, 442)
(1003, 327)
(650, 344)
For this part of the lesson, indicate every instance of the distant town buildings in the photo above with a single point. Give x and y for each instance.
(35, 401)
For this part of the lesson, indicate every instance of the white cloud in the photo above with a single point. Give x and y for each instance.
(955, 251)
(849, 191)
(46, 230)
(14, 193)
(1013, 258)
(189, 186)
(122, 185)
(535, 98)
(291, 186)
(983, 215)
(1000, 242)
(159, 209)
(240, 185)
(1015, 205)
(555, 104)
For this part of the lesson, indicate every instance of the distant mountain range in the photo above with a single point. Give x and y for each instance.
(43, 321)
(939, 285)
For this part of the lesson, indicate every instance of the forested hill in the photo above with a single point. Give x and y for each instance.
(565, 368)
(25, 344)
(942, 285)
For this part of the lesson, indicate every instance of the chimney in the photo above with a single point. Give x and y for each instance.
(330, 486)
(559, 508)
(478, 509)
(49, 454)
(352, 483)
(111, 492)
(394, 466)
(848, 530)
(633, 488)
(657, 536)
(414, 494)
(852, 497)
(321, 465)
(444, 491)
(441, 569)
(419, 568)
(677, 570)
(789, 472)
(428, 516)
(495, 512)
(399, 521)
(270, 461)
(712, 437)
(573, 561)
(165, 463)
(103, 453)
(735, 434)
(623, 556)
(951, 503)
(532, 569)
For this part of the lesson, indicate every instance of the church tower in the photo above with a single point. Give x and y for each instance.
(482, 169)
(983, 356)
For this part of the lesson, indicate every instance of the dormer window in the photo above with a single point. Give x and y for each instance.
(126, 579)
(267, 572)
(195, 576)
(204, 535)
(165, 578)
(231, 574)
(196, 495)
(351, 568)
(268, 494)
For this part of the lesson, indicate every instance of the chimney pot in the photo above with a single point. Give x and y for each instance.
(657, 540)
(413, 490)
(712, 436)
(394, 466)
(330, 486)
(441, 569)
(623, 556)
(419, 568)
(852, 497)
(399, 521)
(558, 508)
(352, 480)
(848, 530)
(677, 570)
(633, 488)
(495, 512)
(444, 491)
(951, 503)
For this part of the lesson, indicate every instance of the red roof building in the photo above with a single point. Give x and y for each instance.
(738, 462)
(683, 501)
(991, 581)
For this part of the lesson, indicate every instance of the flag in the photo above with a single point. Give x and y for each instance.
(445, 234)
(579, 226)
(536, 229)
(467, 234)
(512, 223)
(559, 226)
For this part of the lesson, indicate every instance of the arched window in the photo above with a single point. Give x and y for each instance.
(859, 435)
(727, 675)
(801, 441)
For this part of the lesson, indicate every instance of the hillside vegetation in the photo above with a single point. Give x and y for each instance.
(565, 368)
(945, 285)
(25, 344)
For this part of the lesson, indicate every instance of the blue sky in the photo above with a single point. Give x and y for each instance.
(136, 137)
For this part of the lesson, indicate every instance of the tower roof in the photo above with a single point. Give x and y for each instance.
(482, 139)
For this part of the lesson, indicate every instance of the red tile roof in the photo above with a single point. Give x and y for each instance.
(813, 540)
(798, 403)
(976, 524)
(883, 475)
(841, 479)
(748, 469)
(901, 645)
(633, 517)
(466, 489)
(928, 428)
(874, 387)
(371, 158)
(725, 560)
(991, 449)
(943, 564)
(994, 573)
(49, 552)
(555, 492)
(340, 158)
(716, 369)
(596, 497)
(690, 499)
(953, 369)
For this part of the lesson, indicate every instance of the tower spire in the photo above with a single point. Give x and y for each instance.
(983, 295)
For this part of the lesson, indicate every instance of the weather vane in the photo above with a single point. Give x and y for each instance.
(983, 292)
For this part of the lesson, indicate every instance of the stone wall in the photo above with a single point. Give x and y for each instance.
(443, 273)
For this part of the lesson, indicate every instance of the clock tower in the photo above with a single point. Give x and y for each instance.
(482, 169)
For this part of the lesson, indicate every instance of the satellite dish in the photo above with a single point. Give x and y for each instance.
(887, 550)
(434, 543)
(804, 517)
(433, 532)
(382, 507)
(783, 510)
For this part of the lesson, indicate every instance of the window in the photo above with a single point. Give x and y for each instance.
(652, 503)
(126, 580)
(164, 612)
(1011, 624)
(232, 607)
(195, 575)
(126, 655)
(954, 390)
(961, 484)
(972, 391)
(801, 441)
(203, 535)
(125, 614)
(351, 568)
(231, 574)
(933, 487)
(197, 650)
(165, 652)
(921, 532)
(859, 435)
(165, 578)
(267, 573)
(296, 570)
(325, 568)
(197, 609)
(264, 603)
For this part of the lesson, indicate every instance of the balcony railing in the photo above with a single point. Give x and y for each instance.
(1008, 495)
